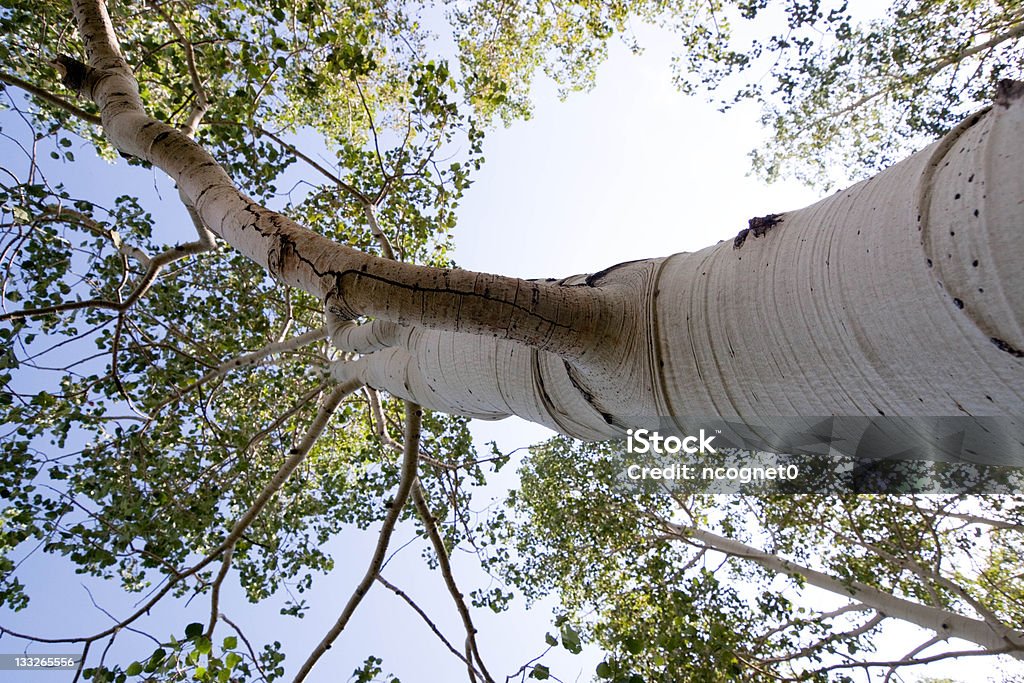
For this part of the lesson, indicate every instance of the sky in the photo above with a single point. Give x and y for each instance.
(630, 170)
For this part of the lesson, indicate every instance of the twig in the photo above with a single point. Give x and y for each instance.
(245, 360)
(420, 500)
(47, 96)
(410, 460)
(423, 615)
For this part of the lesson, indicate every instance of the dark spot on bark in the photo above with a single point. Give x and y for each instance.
(975, 213)
(981, 290)
(952, 233)
(970, 178)
(880, 411)
(161, 137)
(956, 196)
(1003, 346)
(758, 226)
(73, 72)
(201, 194)
(974, 263)
(929, 263)
(989, 398)
(958, 303)
(1007, 91)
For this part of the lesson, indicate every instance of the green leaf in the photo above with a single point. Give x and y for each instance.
(571, 640)
(194, 630)
(540, 672)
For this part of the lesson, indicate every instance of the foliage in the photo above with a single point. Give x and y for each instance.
(842, 94)
(667, 608)
(136, 435)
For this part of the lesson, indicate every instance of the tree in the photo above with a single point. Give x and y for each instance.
(588, 356)
(637, 339)
(681, 584)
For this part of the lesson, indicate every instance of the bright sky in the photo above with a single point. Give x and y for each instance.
(630, 170)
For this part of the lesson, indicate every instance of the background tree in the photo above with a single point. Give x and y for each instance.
(179, 416)
(679, 583)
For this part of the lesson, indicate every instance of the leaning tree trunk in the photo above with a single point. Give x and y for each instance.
(899, 296)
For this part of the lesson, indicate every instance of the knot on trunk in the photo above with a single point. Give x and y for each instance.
(74, 74)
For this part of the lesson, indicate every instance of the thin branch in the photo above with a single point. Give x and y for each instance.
(936, 66)
(913, 653)
(423, 509)
(378, 234)
(245, 360)
(248, 645)
(155, 266)
(295, 457)
(201, 104)
(410, 460)
(260, 130)
(423, 615)
(954, 654)
(47, 96)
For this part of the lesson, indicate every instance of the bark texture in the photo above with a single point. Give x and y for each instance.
(899, 296)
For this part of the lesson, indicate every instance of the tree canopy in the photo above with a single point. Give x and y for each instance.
(170, 417)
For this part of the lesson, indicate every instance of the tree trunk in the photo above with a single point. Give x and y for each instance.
(898, 296)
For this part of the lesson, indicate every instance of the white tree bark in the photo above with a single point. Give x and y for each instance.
(899, 296)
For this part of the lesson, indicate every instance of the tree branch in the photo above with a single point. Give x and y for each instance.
(426, 516)
(941, 621)
(569, 320)
(246, 360)
(47, 96)
(410, 460)
(423, 615)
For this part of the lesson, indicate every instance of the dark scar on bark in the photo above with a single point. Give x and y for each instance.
(758, 226)
(1008, 348)
(73, 73)
(1008, 90)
